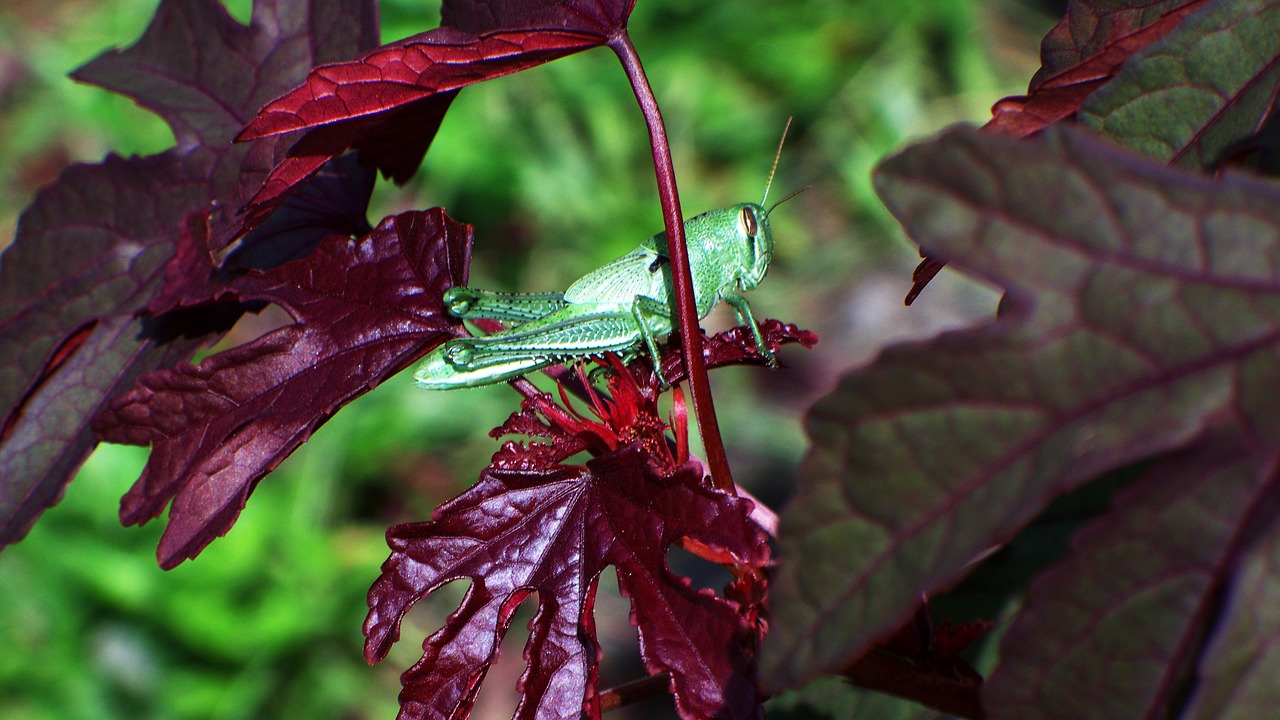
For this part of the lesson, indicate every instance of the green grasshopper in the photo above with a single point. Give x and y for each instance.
(615, 308)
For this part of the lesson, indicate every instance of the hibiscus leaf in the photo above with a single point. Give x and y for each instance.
(90, 251)
(1071, 74)
(1205, 73)
(1130, 325)
(595, 17)
(1089, 26)
(389, 102)
(552, 532)
(364, 308)
(1126, 613)
(1201, 92)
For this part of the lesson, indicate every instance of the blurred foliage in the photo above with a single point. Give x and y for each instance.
(553, 168)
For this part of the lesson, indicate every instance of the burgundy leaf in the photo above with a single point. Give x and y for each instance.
(1089, 26)
(1080, 55)
(392, 98)
(389, 103)
(206, 75)
(89, 251)
(1238, 670)
(595, 17)
(336, 201)
(1130, 325)
(364, 308)
(736, 347)
(1058, 95)
(552, 532)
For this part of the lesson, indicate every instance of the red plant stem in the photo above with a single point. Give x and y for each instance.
(636, 690)
(682, 279)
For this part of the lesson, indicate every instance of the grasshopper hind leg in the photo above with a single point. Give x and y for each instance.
(472, 303)
(461, 363)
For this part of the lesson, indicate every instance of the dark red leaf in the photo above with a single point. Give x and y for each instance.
(336, 201)
(364, 308)
(392, 99)
(1081, 54)
(1089, 26)
(389, 103)
(552, 532)
(1200, 94)
(90, 250)
(595, 17)
(1059, 94)
(1126, 615)
(206, 75)
(736, 347)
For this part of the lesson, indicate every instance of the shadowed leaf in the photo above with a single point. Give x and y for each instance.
(1083, 53)
(1237, 679)
(364, 308)
(1089, 26)
(1131, 322)
(1126, 615)
(90, 250)
(1056, 95)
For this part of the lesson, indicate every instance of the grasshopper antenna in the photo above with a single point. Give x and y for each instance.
(777, 156)
(788, 197)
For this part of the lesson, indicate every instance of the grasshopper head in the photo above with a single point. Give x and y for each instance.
(757, 238)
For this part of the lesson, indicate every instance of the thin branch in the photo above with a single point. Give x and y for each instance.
(635, 691)
(681, 277)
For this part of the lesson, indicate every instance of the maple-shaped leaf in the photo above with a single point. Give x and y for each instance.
(1142, 310)
(736, 346)
(388, 103)
(552, 532)
(90, 251)
(364, 308)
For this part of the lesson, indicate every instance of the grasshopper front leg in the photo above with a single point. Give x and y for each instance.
(743, 310)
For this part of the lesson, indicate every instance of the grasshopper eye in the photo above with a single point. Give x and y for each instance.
(749, 222)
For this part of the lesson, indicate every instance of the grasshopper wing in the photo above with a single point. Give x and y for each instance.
(641, 272)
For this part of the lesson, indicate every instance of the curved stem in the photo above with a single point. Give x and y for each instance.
(682, 278)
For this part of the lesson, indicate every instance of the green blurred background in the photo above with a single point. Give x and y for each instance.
(552, 167)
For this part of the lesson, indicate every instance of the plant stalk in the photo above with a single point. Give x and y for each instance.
(681, 276)
(634, 691)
